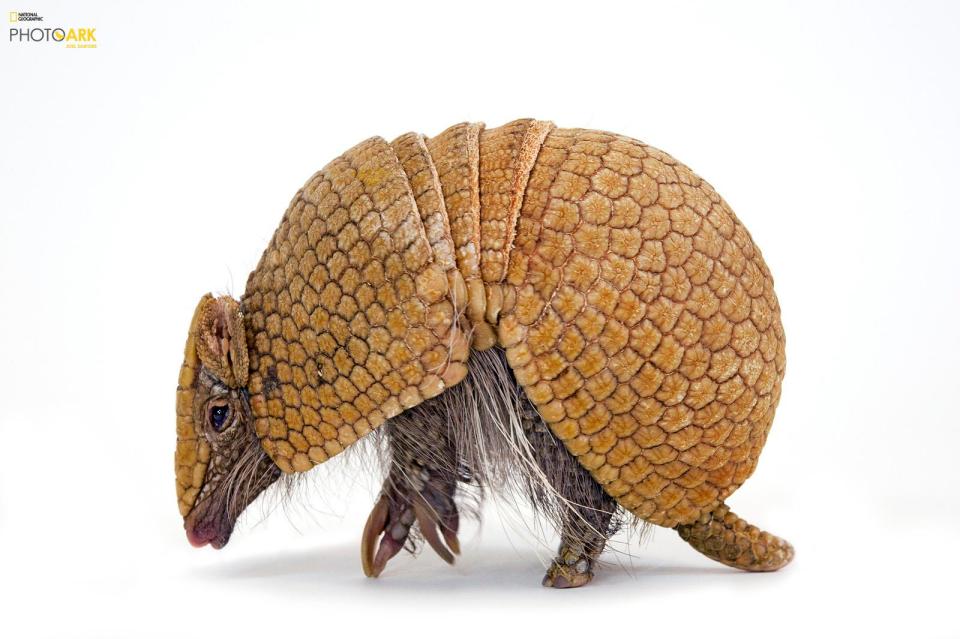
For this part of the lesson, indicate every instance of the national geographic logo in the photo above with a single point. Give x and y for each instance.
(16, 16)
(69, 37)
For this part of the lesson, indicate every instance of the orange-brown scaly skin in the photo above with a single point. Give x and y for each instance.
(645, 327)
(726, 538)
(633, 306)
(349, 317)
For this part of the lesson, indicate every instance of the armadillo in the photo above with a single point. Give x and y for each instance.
(569, 312)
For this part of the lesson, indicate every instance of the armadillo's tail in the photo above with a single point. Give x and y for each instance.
(724, 537)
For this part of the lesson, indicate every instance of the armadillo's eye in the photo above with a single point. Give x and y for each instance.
(218, 417)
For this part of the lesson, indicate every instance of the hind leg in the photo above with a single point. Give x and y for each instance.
(419, 489)
(580, 546)
(588, 516)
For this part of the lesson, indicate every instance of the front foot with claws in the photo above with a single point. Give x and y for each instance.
(415, 497)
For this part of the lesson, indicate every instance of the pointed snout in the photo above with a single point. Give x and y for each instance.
(203, 528)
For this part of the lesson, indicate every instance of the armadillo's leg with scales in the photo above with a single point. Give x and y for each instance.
(589, 516)
(722, 536)
(419, 488)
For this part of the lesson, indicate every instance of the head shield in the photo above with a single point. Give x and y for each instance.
(217, 342)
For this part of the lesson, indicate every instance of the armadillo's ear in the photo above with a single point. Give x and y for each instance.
(222, 341)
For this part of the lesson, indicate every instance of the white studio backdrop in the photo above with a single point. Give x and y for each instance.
(138, 175)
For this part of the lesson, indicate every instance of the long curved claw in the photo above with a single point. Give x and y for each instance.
(428, 528)
(389, 547)
(449, 529)
(398, 507)
(375, 525)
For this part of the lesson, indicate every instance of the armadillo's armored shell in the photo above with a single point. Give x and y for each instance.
(645, 327)
(634, 308)
(349, 312)
(456, 155)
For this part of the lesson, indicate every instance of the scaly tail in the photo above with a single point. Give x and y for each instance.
(724, 537)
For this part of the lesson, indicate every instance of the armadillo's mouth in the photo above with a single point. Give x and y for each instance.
(207, 528)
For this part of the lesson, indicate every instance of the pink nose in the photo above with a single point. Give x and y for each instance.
(196, 541)
(201, 535)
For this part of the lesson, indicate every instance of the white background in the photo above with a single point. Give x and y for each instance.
(137, 176)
